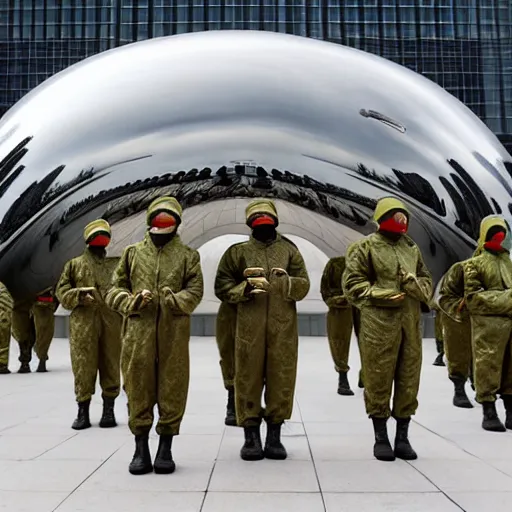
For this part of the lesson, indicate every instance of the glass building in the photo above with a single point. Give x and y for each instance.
(463, 45)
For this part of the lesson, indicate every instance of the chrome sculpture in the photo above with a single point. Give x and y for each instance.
(236, 113)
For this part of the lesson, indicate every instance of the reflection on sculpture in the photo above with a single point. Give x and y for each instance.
(218, 114)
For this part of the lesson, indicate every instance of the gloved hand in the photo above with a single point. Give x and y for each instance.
(386, 297)
(258, 285)
(88, 296)
(140, 301)
(339, 301)
(280, 281)
(412, 287)
(169, 297)
(254, 272)
(256, 281)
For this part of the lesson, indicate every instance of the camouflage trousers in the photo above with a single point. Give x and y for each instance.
(44, 325)
(23, 330)
(391, 349)
(339, 334)
(5, 338)
(265, 363)
(492, 353)
(225, 337)
(95, 345)
(155, 364)
(438, 326)
(457, 345)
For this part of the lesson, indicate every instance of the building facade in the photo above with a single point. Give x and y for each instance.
(463, 45)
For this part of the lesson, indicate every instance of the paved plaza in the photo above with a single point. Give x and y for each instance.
(46, 466)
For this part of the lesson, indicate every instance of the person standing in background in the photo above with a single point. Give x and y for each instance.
(43, 317)
(6, 305)
(23, 332)
(95, 330)
(339, 320)
(488, 296)
(225, 331)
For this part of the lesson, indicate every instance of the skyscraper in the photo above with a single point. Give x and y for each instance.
(463, 45)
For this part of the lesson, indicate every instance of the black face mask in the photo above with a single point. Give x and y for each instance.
(159, 240)
(98, 251)
(394, 237)
(264, 233)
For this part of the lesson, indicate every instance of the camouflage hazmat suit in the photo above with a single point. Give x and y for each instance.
(225, 331)
(339, 319)
(23, 332)
(155, 357)
(43, 317)
(488, 295)
(266, 343)
(95, 330)
(457, 332)
(456, 323)
(6, 305)
(380, 268)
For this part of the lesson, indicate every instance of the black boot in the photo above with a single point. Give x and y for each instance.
(491, 420)
(108, 418)
(440, 354)
(507, 400)
(360, 384)
(164, 465)
(82, 420)
(24, 368)
(41, 368)
(230, 409)
(460, 399)
(252, 449)
(4, 370)
(141, 462)
(274, 449)
(382, 448)
(403, 448)
(343, 385)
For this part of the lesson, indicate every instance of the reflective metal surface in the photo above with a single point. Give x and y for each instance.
(324, 126)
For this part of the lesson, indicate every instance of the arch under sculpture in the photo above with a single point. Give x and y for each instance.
(223, 114)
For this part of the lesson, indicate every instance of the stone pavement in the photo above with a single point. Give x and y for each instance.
(46, 466)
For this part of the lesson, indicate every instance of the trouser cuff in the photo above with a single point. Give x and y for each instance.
(168, 430)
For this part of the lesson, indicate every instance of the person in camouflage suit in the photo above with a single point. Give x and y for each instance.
(439, 360)
(386, 279)
(264, 277)
(23, 332)
(225, 330)
(339, 320)
(457, 332)
(43, 317)
(95, 330)
(488, 295)
(6, 305)
(157, 286)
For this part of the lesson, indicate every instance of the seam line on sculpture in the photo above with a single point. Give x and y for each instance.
(87, 478)
(312, 458)
(213, 469)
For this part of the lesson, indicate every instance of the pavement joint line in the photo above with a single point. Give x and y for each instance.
(213, 469)
(71, 436)
(85, 479)
(435, 485)
(312, 459)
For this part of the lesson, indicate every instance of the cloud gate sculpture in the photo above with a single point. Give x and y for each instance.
(216, 115)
